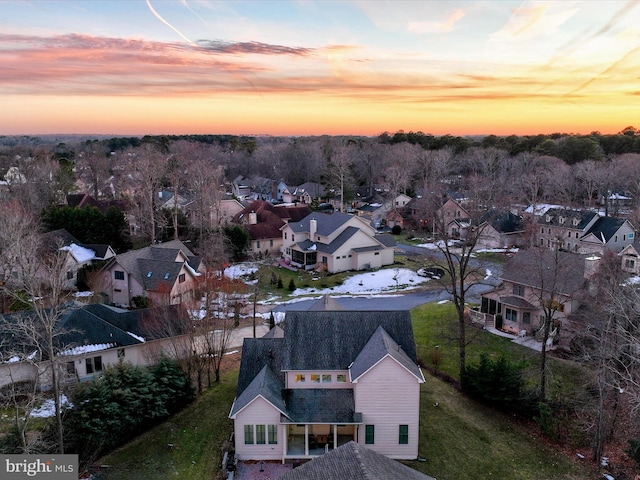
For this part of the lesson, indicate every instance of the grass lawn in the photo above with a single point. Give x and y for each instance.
(197, 434)
(459, 439)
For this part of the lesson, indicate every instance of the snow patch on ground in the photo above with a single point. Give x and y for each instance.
(380, 281)
(48, 407)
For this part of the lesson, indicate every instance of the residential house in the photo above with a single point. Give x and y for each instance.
(256, 188)
(264, 221)
(583, 231)
(335, 377)
(77, 254)
(306, 193)
(225, 210)
(501, 229)
(630, 256)
(454, 219)
(92, 337)
(335, 243)
(382, 203)
(355, 462)
(165, 273)
(168, 200)
(532, 280)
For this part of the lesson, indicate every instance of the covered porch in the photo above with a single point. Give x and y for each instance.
(305, 259)
(311, 440)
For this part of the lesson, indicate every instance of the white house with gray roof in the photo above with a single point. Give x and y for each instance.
(334, 377)
(335, 243)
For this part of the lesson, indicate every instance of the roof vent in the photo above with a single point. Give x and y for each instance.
(149, 273)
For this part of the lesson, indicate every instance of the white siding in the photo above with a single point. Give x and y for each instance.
(258, 412)
(389, 396)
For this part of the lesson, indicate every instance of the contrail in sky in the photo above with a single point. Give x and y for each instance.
(159, 17)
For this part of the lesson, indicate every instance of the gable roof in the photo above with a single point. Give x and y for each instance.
(559, 271)
(331, 340)
(266, 385)
(322, 340)
(327, 222)
(379, 346)
(157, 265)
(553, 214)
(605, 228)
(355, 462)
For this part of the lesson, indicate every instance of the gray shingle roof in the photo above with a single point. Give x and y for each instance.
(379, 346)
(561, 272)
(517, 302)
(331, 340)
(353, 462)
(156, 259)
(554, 215)
(256, 353)
(267, 385)
(321, 405)
(606, 227)
(327, 223)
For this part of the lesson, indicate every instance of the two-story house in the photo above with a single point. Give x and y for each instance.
(263, 222)
(452, 219)
(165, 273)
(532, 280)
(583, 231)
(335, 242)
(305, 193)
(334, 377)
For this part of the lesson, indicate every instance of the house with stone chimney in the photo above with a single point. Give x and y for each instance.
(335, 243)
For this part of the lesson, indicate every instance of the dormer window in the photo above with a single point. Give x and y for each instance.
(561, 220)
(548, 218)
(575, 222)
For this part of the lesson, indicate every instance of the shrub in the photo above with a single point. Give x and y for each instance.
(498, 382)
(292, 285)
(396, 230)
(280, 285)
(123, 402)
(634, 450)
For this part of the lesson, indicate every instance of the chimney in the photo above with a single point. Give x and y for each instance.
(313, 228)
(591, 264)
(253, 218)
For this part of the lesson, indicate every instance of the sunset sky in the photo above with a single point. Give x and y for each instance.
(318, 67)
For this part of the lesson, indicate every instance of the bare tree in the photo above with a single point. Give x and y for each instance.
(40, 284)
(147, 166)
(93, 164)
(461, 271)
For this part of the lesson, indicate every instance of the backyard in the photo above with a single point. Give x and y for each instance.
(459, 438)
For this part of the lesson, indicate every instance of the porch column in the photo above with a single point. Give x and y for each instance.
(335, 436)
(285, 441)
(306, 440)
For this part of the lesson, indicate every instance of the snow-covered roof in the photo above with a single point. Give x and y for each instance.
(81, 254)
